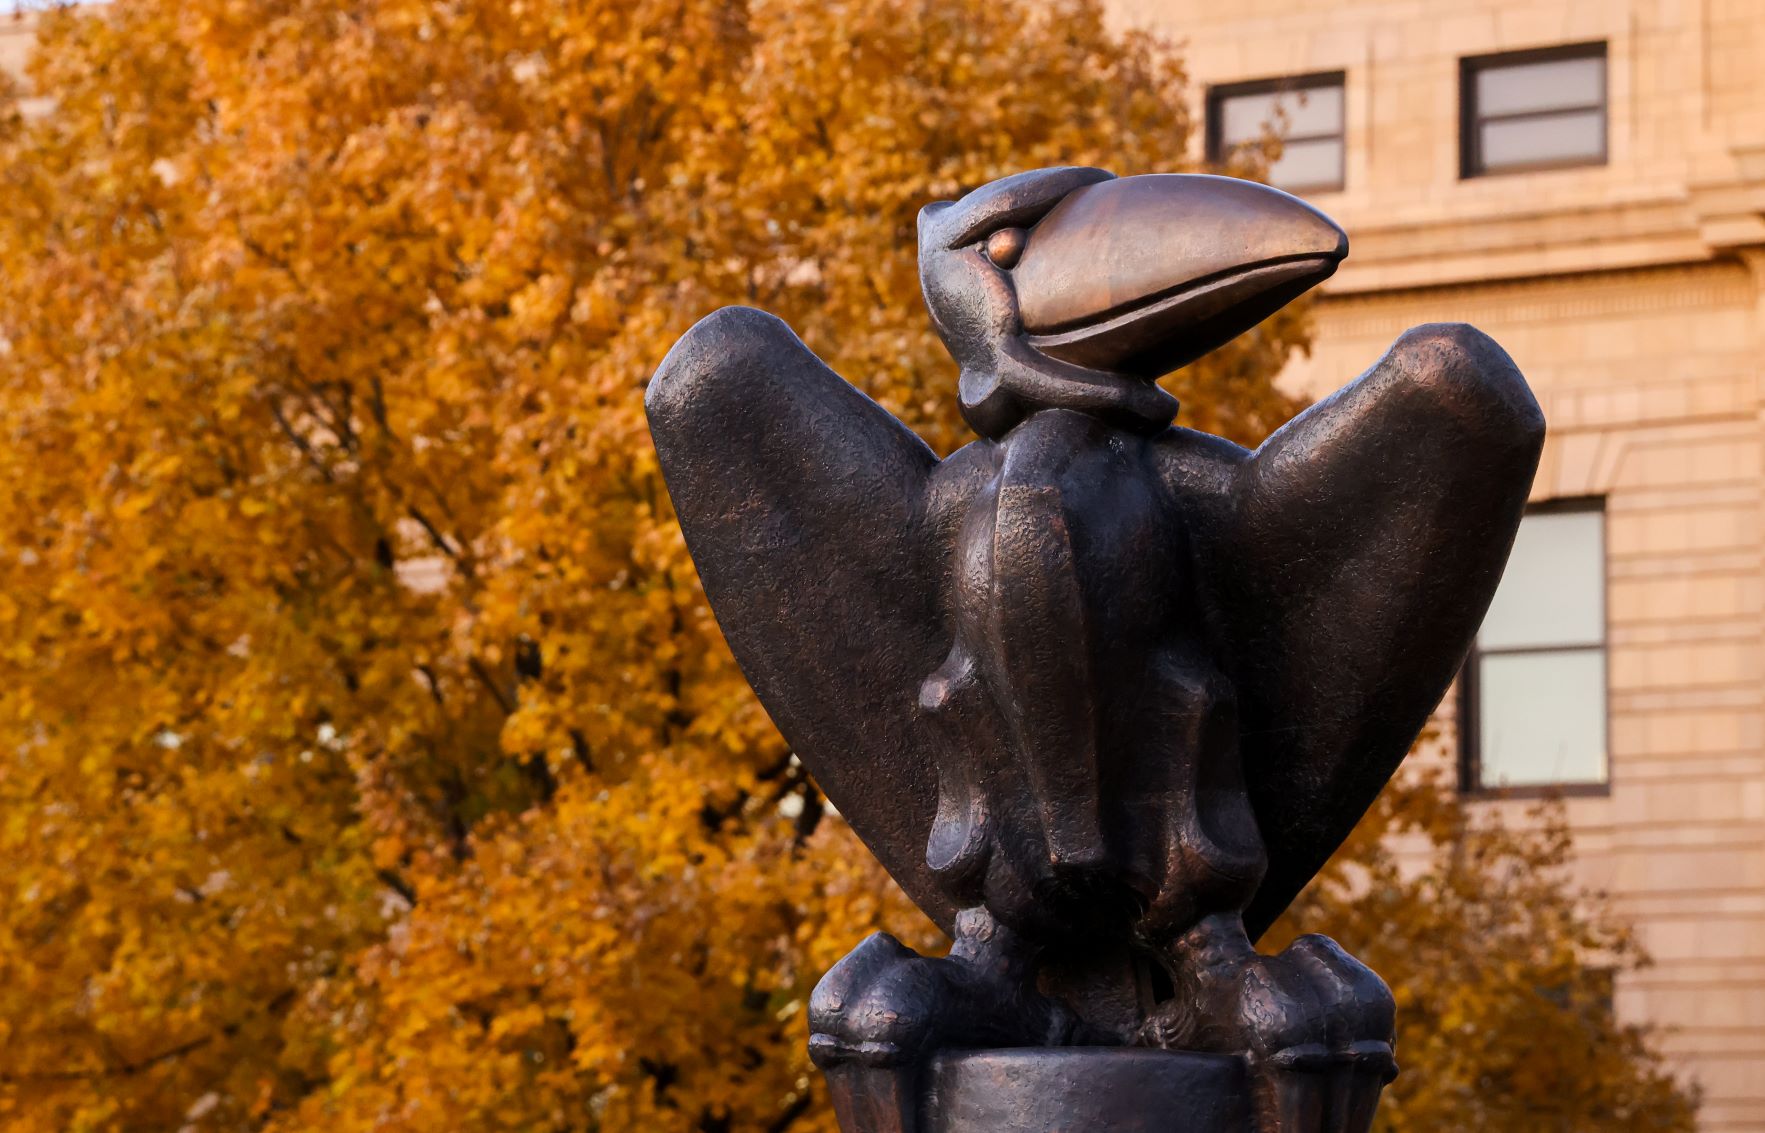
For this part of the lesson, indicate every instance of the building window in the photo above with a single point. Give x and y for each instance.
(1533, 110)
(1534, 707)
(1304, 112)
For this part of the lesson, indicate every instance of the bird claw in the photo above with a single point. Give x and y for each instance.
(1331, 1086)
(879, 1013)
(1314, 1024)
(885, 1005)
(878, 1006)
(831, 1050)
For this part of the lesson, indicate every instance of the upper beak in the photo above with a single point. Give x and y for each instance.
(1142, 275)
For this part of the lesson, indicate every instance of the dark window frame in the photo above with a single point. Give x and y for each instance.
(1471, 163)
(1221, 93)
(1470, 767)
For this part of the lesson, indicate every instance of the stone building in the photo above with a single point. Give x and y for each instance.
(1584, 179)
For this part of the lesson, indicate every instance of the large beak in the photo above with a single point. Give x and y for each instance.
(1142, 275)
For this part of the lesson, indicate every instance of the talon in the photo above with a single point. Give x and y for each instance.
(1307, 1058)
(886, 1006)
(826, 1051)
(1314, 1023)
(846, 980)
(1377, 1057)
(880, 1054)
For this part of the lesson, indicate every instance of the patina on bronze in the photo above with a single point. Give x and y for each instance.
(1102, 693)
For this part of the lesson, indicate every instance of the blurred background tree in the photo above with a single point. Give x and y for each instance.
(1503, 971)
(368, 756)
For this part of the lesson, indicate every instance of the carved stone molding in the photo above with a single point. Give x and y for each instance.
(1559, 298)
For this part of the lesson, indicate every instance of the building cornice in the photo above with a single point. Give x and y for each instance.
(1720, 211)
(1567, 298)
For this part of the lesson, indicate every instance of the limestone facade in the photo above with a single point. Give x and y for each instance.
(1632, 294)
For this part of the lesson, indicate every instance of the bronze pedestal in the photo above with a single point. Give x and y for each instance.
(1061, 1091)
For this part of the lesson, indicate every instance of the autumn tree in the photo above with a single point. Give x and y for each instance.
(368, 756)
(1503, 969)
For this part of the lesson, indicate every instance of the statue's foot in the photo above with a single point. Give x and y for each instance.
(881, 1012)
(886, 1005)
(1315, 1024)
(877, 1006)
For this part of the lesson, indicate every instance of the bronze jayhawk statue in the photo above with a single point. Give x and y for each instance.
(1102, 693)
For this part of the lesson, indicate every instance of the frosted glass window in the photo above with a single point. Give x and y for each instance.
(1542, 718)
(1578, 138)
(1313, 164)
(1243, 117)
(1310, 112)
(1306, 113)
(1553, 592)
(1536, 684)
(1534, 110)
(1529, 88)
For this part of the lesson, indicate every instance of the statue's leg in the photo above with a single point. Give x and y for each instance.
(883, 1010)
(1314, 1023)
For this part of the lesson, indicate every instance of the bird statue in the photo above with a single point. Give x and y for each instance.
(1101, 693)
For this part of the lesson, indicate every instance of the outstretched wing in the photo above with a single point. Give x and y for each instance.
(801, 502)
(1360, 548)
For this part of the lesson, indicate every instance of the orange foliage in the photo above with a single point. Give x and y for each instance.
(371, 760)
(1504, 971)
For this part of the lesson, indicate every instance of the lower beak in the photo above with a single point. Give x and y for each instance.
(1142, 275)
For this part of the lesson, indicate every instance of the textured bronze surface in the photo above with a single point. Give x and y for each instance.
(1101, 693)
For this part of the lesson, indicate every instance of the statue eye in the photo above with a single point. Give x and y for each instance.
(1006, 245)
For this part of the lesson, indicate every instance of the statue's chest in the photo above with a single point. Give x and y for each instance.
(1073, 507)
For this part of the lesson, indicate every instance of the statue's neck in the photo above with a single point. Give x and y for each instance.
(1022, 381)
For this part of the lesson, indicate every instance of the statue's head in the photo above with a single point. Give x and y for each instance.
(1070, 286)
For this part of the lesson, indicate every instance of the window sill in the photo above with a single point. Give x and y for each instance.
(1535, 792)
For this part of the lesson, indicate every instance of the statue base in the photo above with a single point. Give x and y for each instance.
(1047, 1090)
